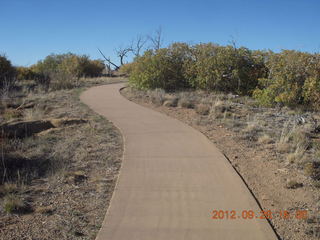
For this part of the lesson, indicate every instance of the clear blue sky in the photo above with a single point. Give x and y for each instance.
(32, 29)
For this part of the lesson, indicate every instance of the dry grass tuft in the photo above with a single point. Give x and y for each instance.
(265, 139)
(185, 101)
(10, 114)
(221, 106)
(157, 96)
(33, 114)
(316, 184)
(202, 109)
(284, 147)
(312, 169)
(286, 133)
(251, 132)
(8, 188)
(13, 203)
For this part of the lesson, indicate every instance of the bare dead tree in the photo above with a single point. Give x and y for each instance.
(233, 42)
(109, 61)
(122, 52)
(156, 39)
(138, 44)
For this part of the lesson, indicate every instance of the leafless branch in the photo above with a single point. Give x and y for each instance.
(122, 53)
(156, 39)
(108, 60)
(138, 44)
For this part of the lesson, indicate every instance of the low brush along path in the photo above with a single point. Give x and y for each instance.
(171, 180)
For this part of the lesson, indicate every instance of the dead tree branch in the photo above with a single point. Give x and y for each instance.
(122, 53)
(156, 39)
(108, 60)
(138, 44)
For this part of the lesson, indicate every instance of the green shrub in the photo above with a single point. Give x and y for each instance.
(202, 66)
(92, 68)
(288, 78)
(64, 70)
(25, 73)
(225, 69)
(7, 72)
(127, 68)
(311, 87)
(160, 69)
(293, 79)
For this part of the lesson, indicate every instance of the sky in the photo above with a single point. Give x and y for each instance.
(32, 29)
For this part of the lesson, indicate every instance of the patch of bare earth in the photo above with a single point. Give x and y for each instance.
(57, 183)
(270, 148)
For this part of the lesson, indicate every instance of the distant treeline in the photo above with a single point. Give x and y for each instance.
(56, 71)
(287, 78)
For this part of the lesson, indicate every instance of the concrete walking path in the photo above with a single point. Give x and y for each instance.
(172, 178)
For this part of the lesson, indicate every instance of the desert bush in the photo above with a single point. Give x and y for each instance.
(226, 69)
(7, 72)
(161, 69)
(311, 87)
(25, 73)
(287, 78)
(293, 79)
(61, 71)
(127, 68)
(92, 68)
(201, 66)
(62, 79)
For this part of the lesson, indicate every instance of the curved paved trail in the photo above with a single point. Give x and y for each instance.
(172, 178)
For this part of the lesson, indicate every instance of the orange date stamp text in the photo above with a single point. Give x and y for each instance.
(264, 214)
